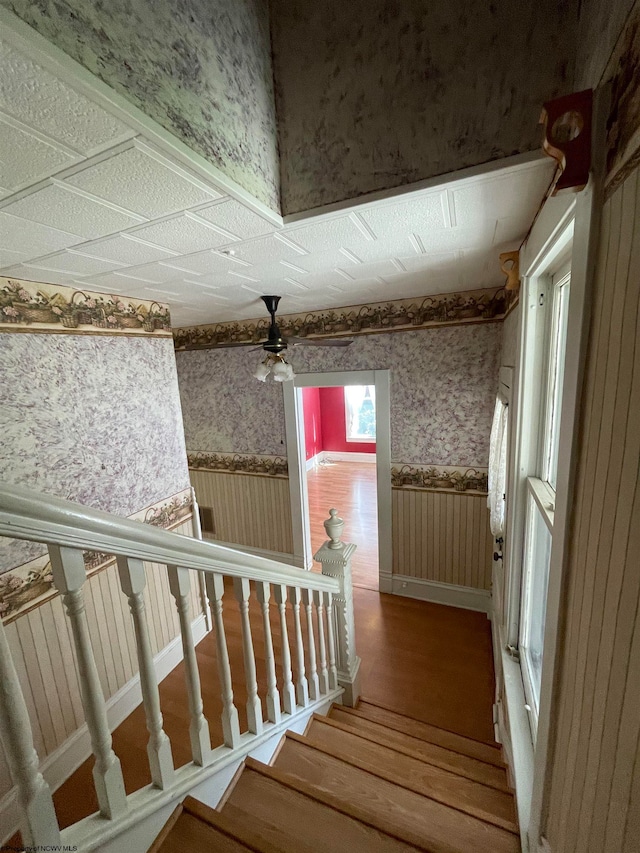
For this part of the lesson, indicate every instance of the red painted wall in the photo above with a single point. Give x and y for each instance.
(334, 425)
(312, 421)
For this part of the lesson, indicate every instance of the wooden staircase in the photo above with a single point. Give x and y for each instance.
(364, 779)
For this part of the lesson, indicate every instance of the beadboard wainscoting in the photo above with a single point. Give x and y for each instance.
(43, 652)
(594, 795)
(442, 538)
(251, 510)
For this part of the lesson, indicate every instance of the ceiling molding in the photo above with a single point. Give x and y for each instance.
(404, 192)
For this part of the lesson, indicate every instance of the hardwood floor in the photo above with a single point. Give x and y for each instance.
(350, 487)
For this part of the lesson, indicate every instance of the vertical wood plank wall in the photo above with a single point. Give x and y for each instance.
(594, 797)
(43, 652)
(247, 509)
(439, 536)
(442, 536)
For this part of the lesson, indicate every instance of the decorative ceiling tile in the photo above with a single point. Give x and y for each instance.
(154, 273)
(9, 258)
(182, 234)
(319, 262)
(206, 262)
(267, 250)
(26, 272)
(33, 239)
(517, 193)
(231, 215)
(106, 282)
(40, 100)
(369, 271)
(432, 261)
(125, 250)
(56, 206)
(419, 214)
(327, 234)
(26, 159)
(138, 181)
(75, 264)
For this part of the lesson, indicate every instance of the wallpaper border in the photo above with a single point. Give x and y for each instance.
(239, 463)
(623, 124)
(472, 306)
(28, 586)
(29, 306)
(439, 478)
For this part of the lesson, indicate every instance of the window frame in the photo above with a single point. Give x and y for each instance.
(359, 439)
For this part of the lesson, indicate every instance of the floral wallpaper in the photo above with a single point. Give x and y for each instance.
(95, 419)
(200, 68)
(443, 384)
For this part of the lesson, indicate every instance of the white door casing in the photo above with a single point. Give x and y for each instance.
(294, 428)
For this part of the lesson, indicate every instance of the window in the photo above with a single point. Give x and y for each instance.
(360, 412)
(553, 307)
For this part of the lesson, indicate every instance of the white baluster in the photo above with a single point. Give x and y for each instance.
(302, 685)
(318, 597)
(198, 727)
(254, 706)
(133, 582)
(263, 592)
(331, 634)
(38, 823)
(335, 557)
(197, 533)
(314, 683)
(67, 566)
(288, 690)
(230, 724)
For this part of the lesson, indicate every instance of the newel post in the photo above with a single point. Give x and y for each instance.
(335, 557)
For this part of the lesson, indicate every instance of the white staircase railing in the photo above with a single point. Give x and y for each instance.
(326, 665)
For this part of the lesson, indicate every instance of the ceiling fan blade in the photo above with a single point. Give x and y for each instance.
(319, 342)
(240, 344)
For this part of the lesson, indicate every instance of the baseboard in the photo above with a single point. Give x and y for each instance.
(465, 597)
(66, 759)
(344, 456)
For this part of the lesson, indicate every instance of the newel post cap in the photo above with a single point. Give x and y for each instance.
(334, 526)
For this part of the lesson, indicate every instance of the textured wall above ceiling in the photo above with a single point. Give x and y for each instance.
(373, 94)
(200, 68)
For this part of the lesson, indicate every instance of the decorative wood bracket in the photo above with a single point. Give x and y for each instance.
(510, 266)
(567, 127)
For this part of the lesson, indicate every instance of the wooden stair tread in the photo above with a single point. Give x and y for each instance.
(392, 808)
(489, 753)
(188, 829)
(463, 765)
(297, 819)
(448, 788)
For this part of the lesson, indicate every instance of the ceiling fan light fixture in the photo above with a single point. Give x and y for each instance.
(263, 370)
(277, 366)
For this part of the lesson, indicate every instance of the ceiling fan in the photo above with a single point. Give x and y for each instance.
(276, 343)
(275, 363)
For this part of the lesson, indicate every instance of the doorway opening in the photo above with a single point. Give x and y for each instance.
(340, 468)
(339, 452)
